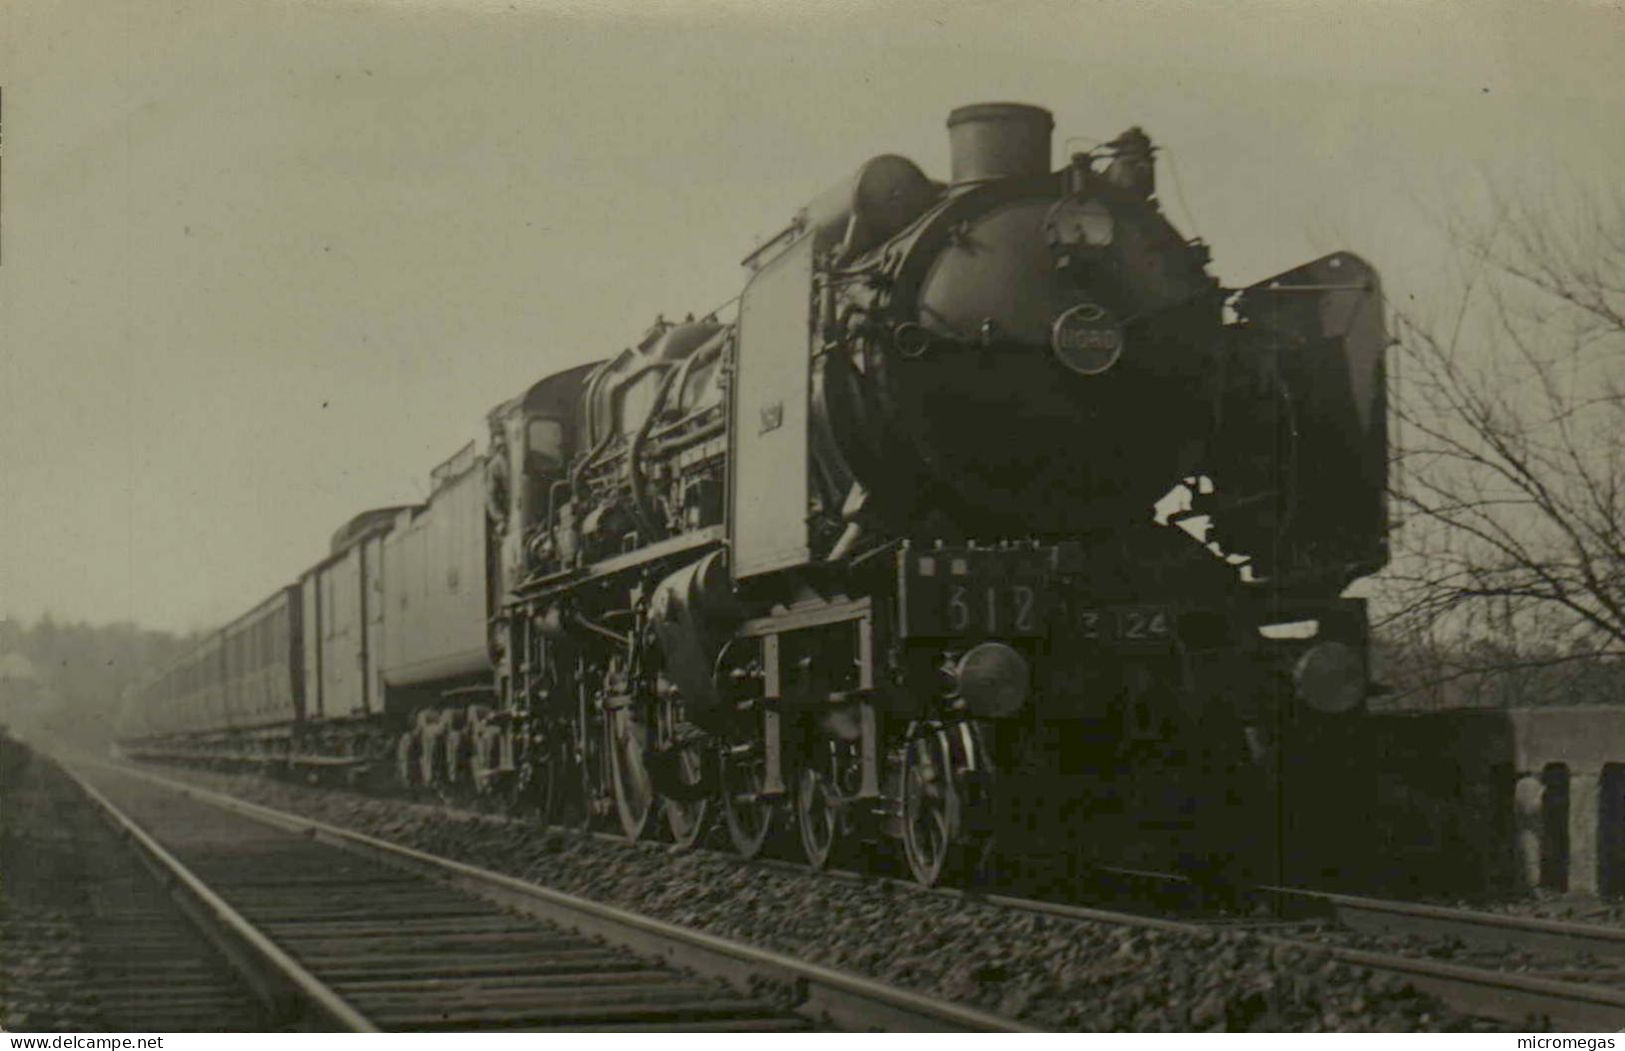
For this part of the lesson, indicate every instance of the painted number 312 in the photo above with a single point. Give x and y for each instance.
(992, 608)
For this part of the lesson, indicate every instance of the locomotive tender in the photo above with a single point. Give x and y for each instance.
(990, 515)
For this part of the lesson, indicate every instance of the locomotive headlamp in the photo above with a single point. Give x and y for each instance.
(1080, 224)
(994, 680)
(1330, 678)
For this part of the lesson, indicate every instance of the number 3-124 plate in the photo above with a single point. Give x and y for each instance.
(1125, 624)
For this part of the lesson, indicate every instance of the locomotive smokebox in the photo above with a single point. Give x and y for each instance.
(995, 140)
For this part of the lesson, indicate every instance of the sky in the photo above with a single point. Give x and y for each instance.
(265, 263)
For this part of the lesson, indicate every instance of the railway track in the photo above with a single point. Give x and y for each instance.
(1575, 976)
(1577, 982)
(88, 940)
(341, 931)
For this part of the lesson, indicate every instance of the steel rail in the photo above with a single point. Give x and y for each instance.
(1367, 915)
(289, 992)
(1492, 930)
(1506, 996)
(842, 999)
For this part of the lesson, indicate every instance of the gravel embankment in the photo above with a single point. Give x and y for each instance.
(1047, 972)
(44, 966)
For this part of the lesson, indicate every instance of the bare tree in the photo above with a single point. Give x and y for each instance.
(1509, 480)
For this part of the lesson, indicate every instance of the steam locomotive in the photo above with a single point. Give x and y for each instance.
(988, 517)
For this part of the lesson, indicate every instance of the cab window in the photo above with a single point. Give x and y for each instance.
(544, 442)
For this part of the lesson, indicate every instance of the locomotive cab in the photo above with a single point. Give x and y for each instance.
(532, 440)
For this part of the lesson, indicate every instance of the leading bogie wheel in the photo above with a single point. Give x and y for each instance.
(749, 817)
(818, 815)
(629, 778)
(931, 810)
(688, 819)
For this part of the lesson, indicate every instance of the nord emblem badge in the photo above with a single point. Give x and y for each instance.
(1087, 339)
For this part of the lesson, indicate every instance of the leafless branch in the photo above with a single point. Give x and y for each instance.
(1510, 469)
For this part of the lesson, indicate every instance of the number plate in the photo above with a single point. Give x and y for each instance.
(977, 608)
(975, 593)
(1125, 624)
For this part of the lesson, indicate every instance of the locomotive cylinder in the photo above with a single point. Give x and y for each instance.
(692, 612)
(997, 140)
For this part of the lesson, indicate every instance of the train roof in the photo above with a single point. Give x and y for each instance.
(258, 610)
(558, 391)
(362, 526)
(452, 468)
(555, 394)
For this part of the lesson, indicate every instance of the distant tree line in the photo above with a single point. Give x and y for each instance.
(70, 678)
(1421, 673)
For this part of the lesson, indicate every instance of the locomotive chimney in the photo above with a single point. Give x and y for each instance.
(995, 140)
